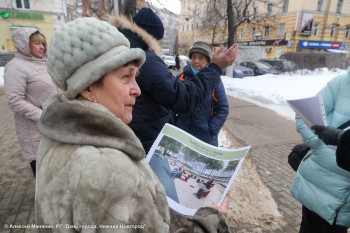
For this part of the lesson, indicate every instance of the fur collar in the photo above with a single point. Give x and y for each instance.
(121, 22)
(85, 123)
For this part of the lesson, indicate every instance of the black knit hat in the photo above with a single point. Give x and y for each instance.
(202, 48)
(150, 22)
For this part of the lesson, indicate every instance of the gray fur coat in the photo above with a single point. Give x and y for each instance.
(91, 172)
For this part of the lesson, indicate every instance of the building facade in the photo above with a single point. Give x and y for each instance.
(41, 14)
(276, 27)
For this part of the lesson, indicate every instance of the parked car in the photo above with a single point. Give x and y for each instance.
(169, 61)
(184, 60)
(259, 67)
(282, 65)
(241, 71)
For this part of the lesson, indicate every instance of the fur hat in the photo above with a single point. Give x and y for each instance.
(150, 22)
(202, 48)
(84, 50)
(343, 151)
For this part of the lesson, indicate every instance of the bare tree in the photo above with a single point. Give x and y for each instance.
(228, 15)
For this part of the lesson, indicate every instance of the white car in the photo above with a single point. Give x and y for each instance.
(169, 61)
(184, 60)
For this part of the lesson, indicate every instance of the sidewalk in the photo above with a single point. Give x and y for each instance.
(270, 136)
(17, 183)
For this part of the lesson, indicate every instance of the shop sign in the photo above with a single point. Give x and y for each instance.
(319, 44)
(28, 15)
(263, 43)
(22, 15)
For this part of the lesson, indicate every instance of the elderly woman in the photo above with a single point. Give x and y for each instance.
(205, 121)
(27, 87)
(91, 167)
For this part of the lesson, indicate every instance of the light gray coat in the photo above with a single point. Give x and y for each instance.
(91, 171)
(27, 86)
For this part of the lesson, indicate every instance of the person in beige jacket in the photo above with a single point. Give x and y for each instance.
(92, 172)
(27, 86)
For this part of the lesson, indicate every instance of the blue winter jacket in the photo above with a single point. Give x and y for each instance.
(161, 92)
(205, 121)
(320, 184)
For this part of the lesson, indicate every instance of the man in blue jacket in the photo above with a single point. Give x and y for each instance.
(161, 92)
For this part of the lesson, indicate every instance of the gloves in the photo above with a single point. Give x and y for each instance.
(329, 135)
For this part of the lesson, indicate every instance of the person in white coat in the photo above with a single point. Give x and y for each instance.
(27, 86)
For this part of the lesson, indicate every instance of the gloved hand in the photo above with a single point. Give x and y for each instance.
(329, 135)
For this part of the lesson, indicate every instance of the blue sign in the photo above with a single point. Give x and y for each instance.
(319, 44)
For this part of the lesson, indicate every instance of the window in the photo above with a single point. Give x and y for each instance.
(333, 30)
(223, 36)
(319, 5)
(285, 6)
(255, 15)
(347, 32)
(23, 4)
(241, 33)
(269, 9)
(281, 29)
(266, 31)
(339, 5)
(315, 29)
(253, 32)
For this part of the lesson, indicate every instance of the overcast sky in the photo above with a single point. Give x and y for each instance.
(171, 5)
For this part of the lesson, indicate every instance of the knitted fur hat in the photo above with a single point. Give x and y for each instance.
(84, 50)
(202, 48)
(150, 22)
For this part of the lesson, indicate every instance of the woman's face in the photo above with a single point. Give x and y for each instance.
(37, 46)
(117, 91)
(199, 61)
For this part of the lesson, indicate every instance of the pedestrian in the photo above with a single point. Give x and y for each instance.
(204, 187)
(177, 61)
(322, 187)
(92, 173)
(205, 121)
(27, 86)
(161, 92)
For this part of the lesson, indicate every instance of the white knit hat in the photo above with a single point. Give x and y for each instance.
(84, 50)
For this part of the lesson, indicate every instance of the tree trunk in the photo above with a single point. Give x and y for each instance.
(230, 23)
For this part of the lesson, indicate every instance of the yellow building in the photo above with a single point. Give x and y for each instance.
(279, 27)
(41, 14)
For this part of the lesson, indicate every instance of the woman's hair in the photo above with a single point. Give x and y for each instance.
(37, 36)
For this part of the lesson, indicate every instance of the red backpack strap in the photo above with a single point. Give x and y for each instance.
(182, 77)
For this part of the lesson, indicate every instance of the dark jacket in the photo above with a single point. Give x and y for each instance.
(161, 92)
(343, 151)
(205, 121)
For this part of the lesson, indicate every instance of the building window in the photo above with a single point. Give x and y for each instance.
(315, 29)
(23, 4)
(347, 32)
(319, 5)
(285, 6)
(339, 5)
(223, 36)
(266, 31)
(253, 32)
(281, 29)
(241, 33)
(255, 15)
(269, 9)
(333, 30)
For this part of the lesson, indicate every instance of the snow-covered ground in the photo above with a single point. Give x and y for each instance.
(272, 91)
